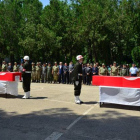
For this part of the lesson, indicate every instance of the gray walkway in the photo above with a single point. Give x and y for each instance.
(51, 114)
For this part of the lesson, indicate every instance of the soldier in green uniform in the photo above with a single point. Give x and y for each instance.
(40, 67)
(49, 73)
(33, 72)
(114, 70)
(103, 70)
(37, 73)
(16, 67)
(4, 67)
(77, 78)
(55, 72)
(124, 71)
(27, 68)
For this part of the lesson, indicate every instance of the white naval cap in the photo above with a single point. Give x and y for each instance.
(26, 58)
(79, 57)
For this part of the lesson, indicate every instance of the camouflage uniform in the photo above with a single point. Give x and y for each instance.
(15, 68)
(33, 72)
(38, 73)
(103, 70)
(49, 74)
(4, 68)
(55, 73)
(114, 71)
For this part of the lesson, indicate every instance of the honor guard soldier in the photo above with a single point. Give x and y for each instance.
(16, 67)
(49, 73)
(55, 72)
(4, 67)
(114, 70)
(33, 72)
(37, 73)
(44, 73)
(40, 66)
(27, 68)
(77, 78)
(103, 70)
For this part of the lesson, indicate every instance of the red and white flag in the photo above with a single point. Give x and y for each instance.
(118, 90)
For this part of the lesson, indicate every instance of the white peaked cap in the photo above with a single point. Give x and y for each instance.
(26, 58)
(79, 57)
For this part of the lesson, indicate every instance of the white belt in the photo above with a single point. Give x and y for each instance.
(27, 71)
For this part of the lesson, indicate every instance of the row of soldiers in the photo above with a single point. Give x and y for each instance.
(63, 73)
(112, 70)
(10, 68)
(56, 73)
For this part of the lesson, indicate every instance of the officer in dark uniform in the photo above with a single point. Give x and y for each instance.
(27, 68)
(77, 78)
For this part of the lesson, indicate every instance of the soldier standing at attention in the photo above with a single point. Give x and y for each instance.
(124, 71)
(40, 67)
(49, 73)
(27, 68)
(37, 73)
(103, 70)
(15, 68)
(114, 70)
(44, 73)
(4, 67)
(77, 78)
(33, 72)
(55, 72)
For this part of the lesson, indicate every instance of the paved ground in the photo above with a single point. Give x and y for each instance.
(51, 114)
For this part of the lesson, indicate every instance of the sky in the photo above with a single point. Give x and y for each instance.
(45, 2)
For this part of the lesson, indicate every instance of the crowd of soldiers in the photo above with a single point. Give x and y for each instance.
(45, 73)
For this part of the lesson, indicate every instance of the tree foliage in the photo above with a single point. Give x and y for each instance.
(100, 30)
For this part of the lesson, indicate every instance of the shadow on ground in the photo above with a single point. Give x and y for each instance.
(117, 106)
(8, 96)
(37, 125)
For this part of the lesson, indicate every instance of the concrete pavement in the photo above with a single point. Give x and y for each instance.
(51, 114)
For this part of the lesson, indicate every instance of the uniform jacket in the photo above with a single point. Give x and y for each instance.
(26, 67)
(77, 70)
